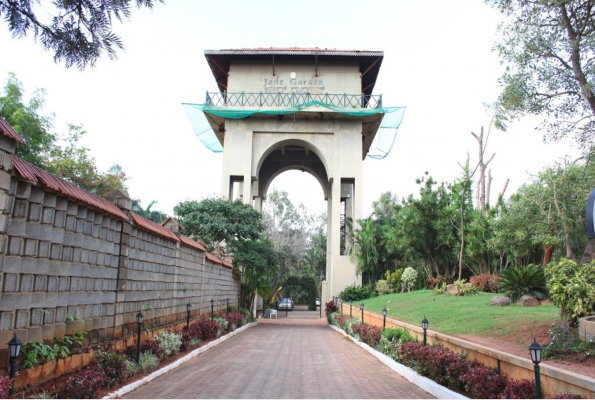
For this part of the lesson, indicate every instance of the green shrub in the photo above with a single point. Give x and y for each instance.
(391, 341)
(565, 341)
(464, 290)
(394, 279)
(223, 324)
(383, 288)
(529, 280)
(349, 325)
(170, 342)
(333, 317)
(408, 278)
(572, 288)
(146, 362)
(441, 289)
(357, 293)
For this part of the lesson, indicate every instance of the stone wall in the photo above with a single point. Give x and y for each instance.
(71, 261)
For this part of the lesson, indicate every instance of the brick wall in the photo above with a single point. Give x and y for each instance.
(71, 261)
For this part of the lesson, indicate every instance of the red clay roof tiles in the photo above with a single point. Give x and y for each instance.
(7, 130)
(192, 243)
(214, 258)
(35, 174)
(153, 227)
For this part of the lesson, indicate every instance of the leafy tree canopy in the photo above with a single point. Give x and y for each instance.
(69, 160)
(78, 32)
(148, 212)
(548, 48)
(215, 220)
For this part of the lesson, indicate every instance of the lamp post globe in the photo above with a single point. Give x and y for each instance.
(14, 348)
(384, 317)
(535, 350)
(424, 325)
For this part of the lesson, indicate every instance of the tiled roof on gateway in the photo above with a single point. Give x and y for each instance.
(35, 174)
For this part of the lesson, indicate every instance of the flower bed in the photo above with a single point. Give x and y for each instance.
(439, 364)
(109, 368)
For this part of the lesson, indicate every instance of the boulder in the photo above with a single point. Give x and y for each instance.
(528, 301)
(453, 289)
(500, 301)
(468, 285)
(546, 302)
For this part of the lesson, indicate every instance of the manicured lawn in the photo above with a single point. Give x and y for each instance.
(456, 315)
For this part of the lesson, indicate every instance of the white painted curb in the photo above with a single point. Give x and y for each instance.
(133, 386)
(426, 384)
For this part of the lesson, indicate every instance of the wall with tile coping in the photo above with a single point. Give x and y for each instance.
(67, 265)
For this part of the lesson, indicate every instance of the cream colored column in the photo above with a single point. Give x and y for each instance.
(335, 232)
(247, 167)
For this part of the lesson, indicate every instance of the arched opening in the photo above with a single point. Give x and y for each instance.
(291, 176)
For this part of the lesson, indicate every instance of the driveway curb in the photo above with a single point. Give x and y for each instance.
(135, 385)
(424, 383)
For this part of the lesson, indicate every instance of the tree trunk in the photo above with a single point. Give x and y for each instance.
(547, 254)
(589, 254)
(489, 186)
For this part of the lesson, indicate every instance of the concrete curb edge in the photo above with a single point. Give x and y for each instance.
(424, 383)
(135, 385)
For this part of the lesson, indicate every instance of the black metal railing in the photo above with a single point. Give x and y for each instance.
(246, 99)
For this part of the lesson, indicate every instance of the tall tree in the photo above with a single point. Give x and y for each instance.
(78, 32)
(68, 159)
(548, 48)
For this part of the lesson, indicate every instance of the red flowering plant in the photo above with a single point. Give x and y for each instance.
(520, 389)
(204, 329)
(5, 387)
(341, 319)
(482, 382)
(151, 345)
(234, 318)
(113, 365)
(368, 334)
(330, 307)
(84, 383)
(486, 283)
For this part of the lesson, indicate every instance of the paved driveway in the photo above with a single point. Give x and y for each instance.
(282, 361)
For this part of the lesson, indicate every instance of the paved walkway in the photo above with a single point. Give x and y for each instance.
(282, 361)
(299, 316)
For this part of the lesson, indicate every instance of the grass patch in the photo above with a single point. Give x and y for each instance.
(472, 315)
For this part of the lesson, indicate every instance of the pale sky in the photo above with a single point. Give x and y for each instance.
(438, 63)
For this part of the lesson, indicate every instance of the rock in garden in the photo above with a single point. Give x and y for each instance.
(528, 301)
(500, 301)
(468, 285)
(453, 289)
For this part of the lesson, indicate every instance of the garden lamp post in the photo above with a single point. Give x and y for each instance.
(212, 309)
(384, 317)
(361, 307)
(239, 297)
(535, 349)
(139, 321)
(350, 307)
(188, 316)
(424, 325)
(14, 346)
(227, 305)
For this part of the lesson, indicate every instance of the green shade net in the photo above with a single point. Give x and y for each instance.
(199, 114)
